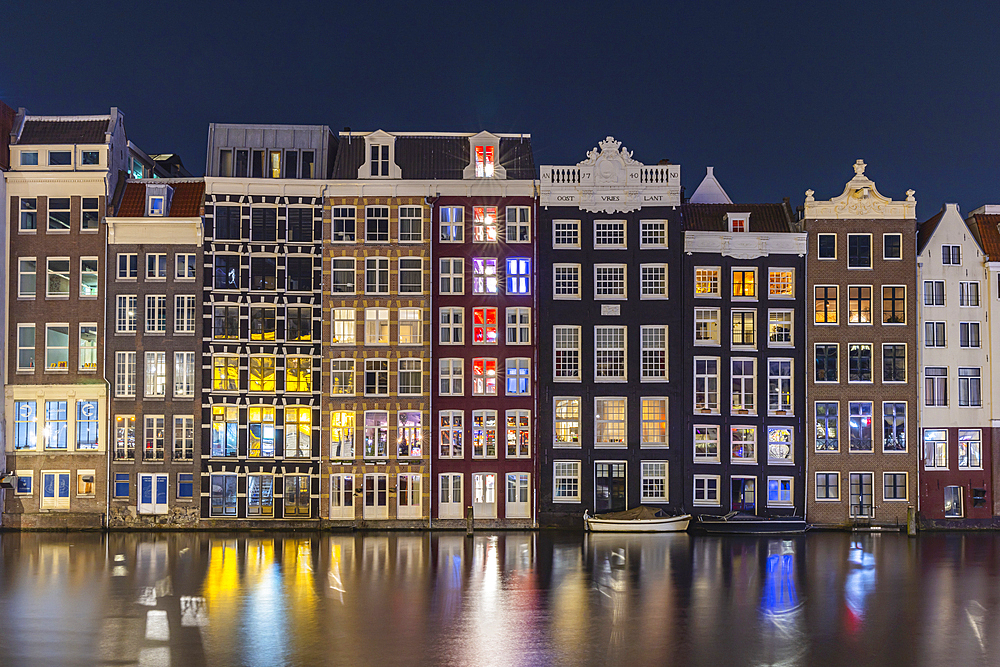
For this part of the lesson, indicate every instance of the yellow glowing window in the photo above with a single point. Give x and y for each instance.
(275, 160)
(261, 373)
(261, 419)
(484, 224)
(744, 283)
(706, 281)
(298, 431)
(342, 435)
(298, 374)
(781, 282)
(226, 373)
(484, 162)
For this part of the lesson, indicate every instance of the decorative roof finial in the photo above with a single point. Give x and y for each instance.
(859, 167)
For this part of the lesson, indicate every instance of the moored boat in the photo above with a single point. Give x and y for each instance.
(636, 520)
(741, 523)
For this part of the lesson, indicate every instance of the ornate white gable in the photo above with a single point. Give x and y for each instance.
(860, 199)
(610, 181)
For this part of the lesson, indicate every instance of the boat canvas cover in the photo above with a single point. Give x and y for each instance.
(634, 514)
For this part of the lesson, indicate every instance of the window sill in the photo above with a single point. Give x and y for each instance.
(741, 462)
(57, 297)
(695, 503)
(57, 371)
(772, 462)
(564, 501)
(25, 371)
(707, 462)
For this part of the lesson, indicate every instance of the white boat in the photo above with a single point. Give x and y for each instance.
(637, 520)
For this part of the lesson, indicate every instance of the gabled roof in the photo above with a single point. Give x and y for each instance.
(186, 202)
(763, 217)
(986, 227)
(710, 191)
(69, 130)
(926, 230)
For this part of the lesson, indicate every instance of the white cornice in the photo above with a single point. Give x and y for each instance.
(860, 199)
(166, 231)
(745, 245)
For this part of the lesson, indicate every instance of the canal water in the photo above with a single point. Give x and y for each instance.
(548, 598)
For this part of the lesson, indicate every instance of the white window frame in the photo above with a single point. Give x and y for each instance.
(379, 266)
(518, 276)
(156, 314)
(451, 376)
(776, 279)
(564, 420)
(451, 423)
(344, 329)
(400, 271)
(784, 408)
(791, 491)
(22, 273)
(650, 232)
(570, 371)
(521, 220)
(184, 374)
(651, 284)
(125, 374)
(154, 383)
(969, 294)
(50, 271)
(451, 224)
(938, 334)
(652, 423)
(966, 339)
(453, 329)
(569, 473)
(343, 368)
(701, 486)
(654, 476)
(614, 424)
(518, 423)
(743, 400)
(613, 232)
(518, 370)
(972, 394)
(569, 280)
(450, 507)
(452, 274)
(185, 309)
(344, 272)
(410, 326)
(609, 356)
(780, 452)
(610, 282)
(653, 353)
(376, 213)
(409, 365)
(871, 248)
(517, 329)
(711, 277)
(780, 318)
(563, 233)
(710, 320)
(410, 213)
(744, 436)
(884, 245)
(377, 321)
(707, 456)
(816, 487)
(156, 266)
(706, 406)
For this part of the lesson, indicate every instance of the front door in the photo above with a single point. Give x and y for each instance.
(153, 494)
(297, 496)
(609, 487)
(55, 490)
(484, 495)
(376, 496)
(342, 496)
(518, 495)
(861, 495)
(744, 494)
(450, 500)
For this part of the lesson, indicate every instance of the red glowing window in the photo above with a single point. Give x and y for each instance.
(484, 326)
(484, 377)
(484, 162)
(484, 224)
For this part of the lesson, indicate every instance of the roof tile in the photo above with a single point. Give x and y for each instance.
(64, 131)
(763, 217)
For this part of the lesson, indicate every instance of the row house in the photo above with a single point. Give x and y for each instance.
(609, 333)
(262, 318)
(153, 352)
(862, 354)
(63, 170)
(743, 358)
(7, 116)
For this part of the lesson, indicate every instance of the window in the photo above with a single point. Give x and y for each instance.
(26, 280)
(88, 276)
(934, 334)
(935, 448)
(155, 382)
(260, 495)
(518, 434)
(744, 283)
(25, 425)
(452, 224)
(565, 234)
(968, 334)
(450, 377)
(451, 500)
(609, 234)
(706, 384)
(29, 213)
(484, 224)
(706, 490)
(953, 501)
(827, 427)
(411, 326)
(779, 328)
(90, 213)
(227, 272)
(298, 374)
(653, 282)
(26, 347)
(227, 223)
(342, 275)
(57, 285)
(56, 424)
(411, 275)
(484, 326)
(567, 421)
(343, 225)
(121, 485)
(859, 360)
(706, 443)
(518, 326)
(156, 266)
(156, 206)
(344, 326)
(737, 222)
(225, 373)
(451, 325)
(826, 304)
(951, 255)
(57, 347)
(706, 326)
(184, 313)
(518, 220)
(654, 352)
(893, 304)
(342, 425)
(744, 331)
(342, 377)
(706, 281)
(264, 272)
(859, 251)
(58, 214)
(518, 495)
(861, 494)
(226, 322)
(411, 224)
(743, 444)
(978, 497)
(892, 246)
(935, 386)
(654, 482)
(409, 490)
(859, 304)
(184, 374)
(376, 223)
(299, 223)
(86, 425)
(484, 377)
(518, 376)
(566, 481)
(379, 160)
(970, 449)
(781, 283)
(653, 234)
(969, 387)
(153, 439)
(610, 354)
(518, 275)
(223, 499)
(298, 323)
(124, 374)
(484, 434)
(376, 326)
(298, 431)
(87, 357)
(968, 294)
(484, 275)
(828, 486)
(744, 386)
(156, 313)
(124, 438)
(376, 377)
(410, 374)
(299, 271)
(262, 373)
(861, 426)
(779, 491)
(566, 281)
(452, 275)
(225, 430)
(779, 444)
(183, 443)
(933, 292)
(450, 434)
(484, 162)
(894, 427)
(567, 353)
(893, 362)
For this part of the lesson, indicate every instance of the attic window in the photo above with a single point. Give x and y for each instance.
(738, 222)
(484, 162)
(156, 206)
(380, 160)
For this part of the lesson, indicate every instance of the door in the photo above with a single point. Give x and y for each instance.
(450, 498)
(153, 494)
(342, 496)
(408, 495)
(297, 496)
(376, 496)
(518, 495)
(260, 495)
(484, 495)
(861, 495)
(55, 490)
(744, 494)
(609, 487)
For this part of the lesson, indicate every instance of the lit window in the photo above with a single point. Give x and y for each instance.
(779, 491)
(156, 375)
(298, 374)
(86, 425)
(744, 284)
(260, 489)
(26, 347)
(451, 434)
(706, 326)
(376, 326)
(935, 448)
(970, 449)
(484, 161)
(743, 444)
(744, 328)
(654, 423)
(184, 374)
(518, 275)
(518, 434)
(452, 224)
(518, 376)
(706, 443)
(183, 443)
(342, 377)
(411, 327)
(744, 385)
(484, 377)
(344, 326)
(225, 373)
(225, 430)
(827, 427)
(262, 373)
(484, 275)
(610, 429)
(654, 482)
(88, 347)
(825, 304)
(57, 347)
(298, 431)
(781, 283)
(779, 328)
(185, 309)
(124, 439)
(706, 384)
(484, 224)
(859, 304)
(567, 421)
(860, 426)
(484, 326)
(484, 434)
(124, 374)
(342, 425)
(56, 424)
(893, 427)
(779, 444)
(409, 434)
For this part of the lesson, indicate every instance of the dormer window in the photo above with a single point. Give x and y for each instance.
(484, 162)
(156, 206)
(380, 159)
(484, 157)
(738, 222)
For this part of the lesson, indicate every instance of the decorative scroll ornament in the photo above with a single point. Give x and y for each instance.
(861, 199)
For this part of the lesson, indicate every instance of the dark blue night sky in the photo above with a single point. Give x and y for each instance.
(778, 96)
